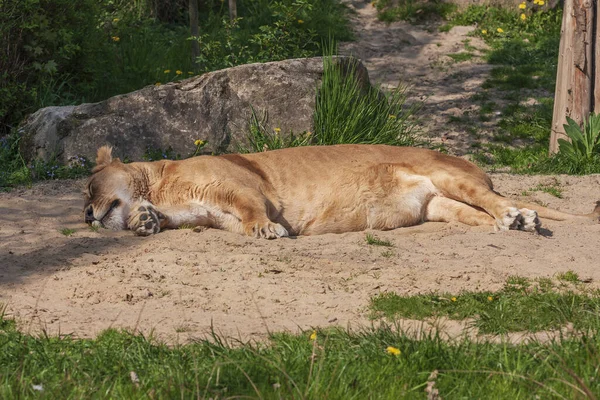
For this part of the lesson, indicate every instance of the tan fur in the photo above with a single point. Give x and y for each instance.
(302, 191)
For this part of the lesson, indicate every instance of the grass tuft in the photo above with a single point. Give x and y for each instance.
(375, 241)
(347, 111)
(520, 306)
(67, 231)
(568, 276)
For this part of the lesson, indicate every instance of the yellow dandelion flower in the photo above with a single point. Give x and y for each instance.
(308, 133)
(277, 130)
(393, 351)
(523, 17)
(167, 71)
(484, 31)
(490, 298)
(115, 38)
(541, 3)
(523, 6)
(190, 73)
(313, 336)
(178, 72)
(157, 84)
(453, 299)
(500, 30)
(300, 21)
(115, 20)
(199, 142)
(391, 116)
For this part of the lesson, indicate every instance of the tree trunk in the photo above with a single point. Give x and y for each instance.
(577, 69)
(232, 9)
(194, 30)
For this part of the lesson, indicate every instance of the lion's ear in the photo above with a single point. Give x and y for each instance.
(103, 158)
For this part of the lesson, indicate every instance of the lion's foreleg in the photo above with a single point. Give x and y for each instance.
(146, 219)
(251, 208)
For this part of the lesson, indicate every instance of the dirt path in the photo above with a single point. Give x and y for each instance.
(417, 56)
(179, 284)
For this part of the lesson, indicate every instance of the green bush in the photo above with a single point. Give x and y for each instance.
(45, 44)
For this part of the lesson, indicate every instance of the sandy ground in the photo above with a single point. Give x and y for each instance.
(179, 284)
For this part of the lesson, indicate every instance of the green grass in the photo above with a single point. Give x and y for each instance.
(520, 306)
(413, 10)
(67, 231)
(568, 276)
(550, 189)
(461, 57)
(336, 365)
(346, 112)
(373, 240)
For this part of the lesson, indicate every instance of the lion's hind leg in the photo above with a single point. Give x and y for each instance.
(475, 189)
(443, 209)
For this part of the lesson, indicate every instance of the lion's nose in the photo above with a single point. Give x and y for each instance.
(89, 215)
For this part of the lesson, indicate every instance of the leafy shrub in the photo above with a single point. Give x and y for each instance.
(584, 145)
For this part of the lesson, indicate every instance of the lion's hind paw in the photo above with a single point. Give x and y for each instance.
(530, 221)
(523, 220)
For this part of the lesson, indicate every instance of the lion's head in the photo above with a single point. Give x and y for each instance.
(108, 192)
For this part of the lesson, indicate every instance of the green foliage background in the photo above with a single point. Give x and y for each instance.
(59, 52)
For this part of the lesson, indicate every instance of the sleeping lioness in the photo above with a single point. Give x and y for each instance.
(303, 191)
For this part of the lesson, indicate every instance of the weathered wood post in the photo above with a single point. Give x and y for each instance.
(578, 76)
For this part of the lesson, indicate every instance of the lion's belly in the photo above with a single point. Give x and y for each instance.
(381, 204)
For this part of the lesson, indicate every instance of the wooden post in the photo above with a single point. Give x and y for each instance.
(574, 96)
(232, 9)
(194, 29)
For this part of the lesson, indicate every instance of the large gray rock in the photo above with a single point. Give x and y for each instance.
(215, 107)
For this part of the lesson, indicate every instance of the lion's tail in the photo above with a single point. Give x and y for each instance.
(549, 213)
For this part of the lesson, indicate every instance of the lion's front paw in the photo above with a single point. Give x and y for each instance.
(145, 220)
(266, 230)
